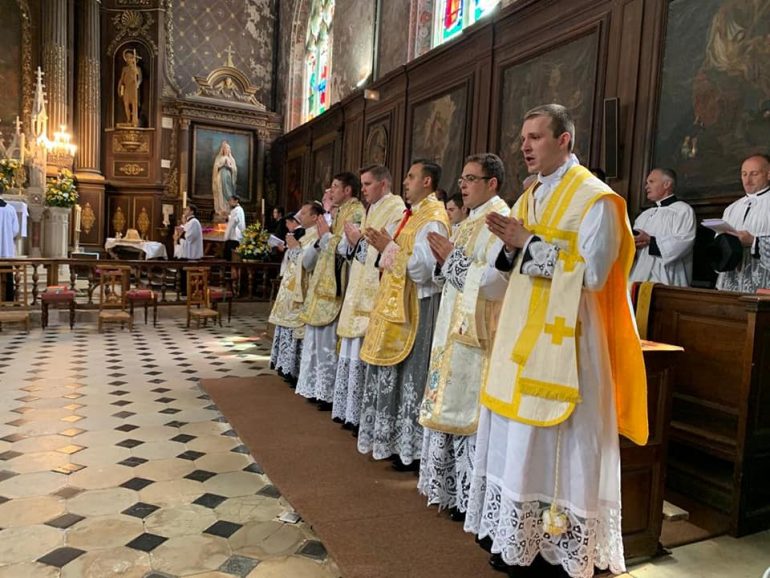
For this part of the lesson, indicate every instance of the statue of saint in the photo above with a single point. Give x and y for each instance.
(128, 86)
(224, 175)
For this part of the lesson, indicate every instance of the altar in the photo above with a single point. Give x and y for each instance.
(151, 249)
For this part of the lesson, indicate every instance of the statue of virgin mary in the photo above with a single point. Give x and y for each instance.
(223, 178)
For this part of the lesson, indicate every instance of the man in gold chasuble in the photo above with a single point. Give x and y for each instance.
(397, 341)
(385, 210)
(462, 339)
(563, 380)
(285, 315)
(318, 365)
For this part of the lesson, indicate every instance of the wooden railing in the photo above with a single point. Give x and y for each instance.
(249, 281)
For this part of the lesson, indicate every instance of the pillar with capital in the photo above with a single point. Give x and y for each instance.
(55, 64)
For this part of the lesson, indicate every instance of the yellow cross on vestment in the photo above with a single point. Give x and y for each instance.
(558, 330)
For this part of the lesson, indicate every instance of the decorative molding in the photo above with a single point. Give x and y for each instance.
(132, 25)
(118, 220)
(131, 141)
(171, 87)
(226, 113)
(377, 145)
(134, 169)
(89, 76)
(171, 182)
(87, 218)
(227, 84)
(27, 87)
(143, 223)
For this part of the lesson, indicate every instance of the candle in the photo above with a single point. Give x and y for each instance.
(21, 148)
(184, 199)
(78, 210)
(263, 207)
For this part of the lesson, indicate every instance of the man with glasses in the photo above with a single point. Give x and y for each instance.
(397, 342)
(462, 340)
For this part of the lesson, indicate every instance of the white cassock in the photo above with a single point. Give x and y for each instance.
(750, 213)
(191, 247)
(9, 228)
(514, 466)
(668, 259)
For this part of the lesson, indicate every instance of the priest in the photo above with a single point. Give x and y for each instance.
(397, 342)
(664, 234)
(385, 211)
(285, 315)
(566, 372)
(9, 230)
(318, 365)
(749, 216)
(462, 339)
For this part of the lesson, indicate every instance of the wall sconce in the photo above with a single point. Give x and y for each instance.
(371, 94)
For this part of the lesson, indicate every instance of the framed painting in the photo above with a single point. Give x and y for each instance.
(222, 161)
(440, 133)
(293, 179)
(10, 64)
(323, 169)
(564, 74)
(714, 99)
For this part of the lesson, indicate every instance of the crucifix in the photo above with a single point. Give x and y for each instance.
(230, 53)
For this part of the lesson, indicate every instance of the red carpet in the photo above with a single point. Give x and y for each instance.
(370, 518)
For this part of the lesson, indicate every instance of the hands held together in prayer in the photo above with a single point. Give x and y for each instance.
(352, 233)
(377, 239)
(322, 226)
(291, 242)
(509, 229)
(440, 246)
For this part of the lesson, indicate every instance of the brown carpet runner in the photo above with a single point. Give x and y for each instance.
(370, 518)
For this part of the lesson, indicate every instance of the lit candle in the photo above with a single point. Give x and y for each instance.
(78, 210)
(263, 207)
(184, 199)
(22, 146)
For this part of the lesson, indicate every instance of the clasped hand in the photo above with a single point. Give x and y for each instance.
(377, 239)
(440, 246)
(509, 229)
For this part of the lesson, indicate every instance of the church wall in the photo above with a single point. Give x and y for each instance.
(202, 32)
(475, 88)
(352, 49)
(393, 49)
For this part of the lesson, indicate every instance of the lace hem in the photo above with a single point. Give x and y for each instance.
(286, 351)
(539, 259)
(446, 468)
(516, 530)
(349, 390)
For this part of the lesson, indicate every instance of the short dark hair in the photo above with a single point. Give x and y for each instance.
(561, 120)
(599, 174)
(491, 165)
(348, 179)
(379, 172)
(457, 199)
(193, 208)
(236, 198)
(280, 210)
(430, 169)
(315, 207)
(669, 175)
(441, 195)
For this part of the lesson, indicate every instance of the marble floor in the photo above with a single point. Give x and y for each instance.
(114, 462)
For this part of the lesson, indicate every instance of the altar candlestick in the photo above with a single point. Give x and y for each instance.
(22, 146)
(78, 210)
(184, 199)
(263, 208)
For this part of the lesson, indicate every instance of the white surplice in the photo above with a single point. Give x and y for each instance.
(191, 247)
(9, 229)
(514, 467)
(672, 224)
(750, 213)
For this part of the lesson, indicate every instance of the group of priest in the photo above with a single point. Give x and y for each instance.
(740, 253)
(442, 349)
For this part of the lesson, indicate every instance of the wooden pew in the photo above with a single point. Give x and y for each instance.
(719, 448)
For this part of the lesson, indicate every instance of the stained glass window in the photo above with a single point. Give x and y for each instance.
(451, 16)
(317, 78)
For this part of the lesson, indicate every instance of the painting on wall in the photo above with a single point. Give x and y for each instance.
(565, 75)
(377, 144)
(10, 63)
(294, 196)
(323, 169)
(439, 133)
(222, 160)
(714, 106)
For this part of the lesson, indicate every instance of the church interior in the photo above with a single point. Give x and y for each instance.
(153, 154)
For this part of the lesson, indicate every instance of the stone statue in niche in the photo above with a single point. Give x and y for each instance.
(128, 86)
(224, 176)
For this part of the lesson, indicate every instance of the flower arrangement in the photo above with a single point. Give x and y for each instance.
(61, 191)
(254, 243)
(10, 174)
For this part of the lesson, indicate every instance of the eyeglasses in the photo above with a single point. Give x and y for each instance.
(470, 179)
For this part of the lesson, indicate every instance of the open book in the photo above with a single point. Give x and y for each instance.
(274, 241)
(718, 225)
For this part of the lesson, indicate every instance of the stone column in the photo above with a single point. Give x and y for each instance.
(55, 64)
(261, 138)
(88, 120)
(88, 89)
(183, 147)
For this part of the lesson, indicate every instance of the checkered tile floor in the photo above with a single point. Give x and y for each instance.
(114, 462)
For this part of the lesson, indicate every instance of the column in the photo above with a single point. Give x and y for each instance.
(55, 61)
(261, 138)
(88, 89)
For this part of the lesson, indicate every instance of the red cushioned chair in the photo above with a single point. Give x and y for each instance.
(57, 296)
(143, 296)
(217, 294)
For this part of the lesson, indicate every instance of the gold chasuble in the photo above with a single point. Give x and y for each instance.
(533, 370)
(395, 317)
(462, 338)
(327, 284)
(364, 278)
(291, 294)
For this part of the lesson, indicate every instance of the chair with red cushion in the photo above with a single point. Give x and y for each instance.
(144, 296)
(217, 294)
(57, 296)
